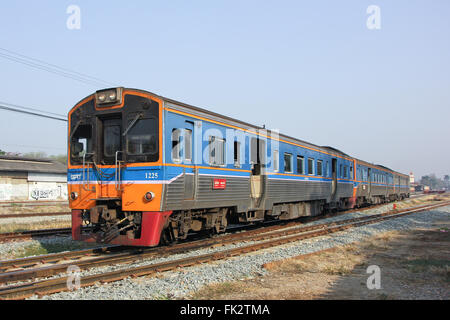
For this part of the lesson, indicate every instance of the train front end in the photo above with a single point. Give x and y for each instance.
(115, 168)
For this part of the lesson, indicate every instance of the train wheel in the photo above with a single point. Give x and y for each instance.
(167, 237)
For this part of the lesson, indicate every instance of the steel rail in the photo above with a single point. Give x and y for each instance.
(33, 233)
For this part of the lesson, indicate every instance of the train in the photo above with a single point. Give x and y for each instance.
(144, 170)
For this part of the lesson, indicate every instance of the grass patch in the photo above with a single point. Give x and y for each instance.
(422, 265)
(36, 249)
(219, 289)
(46, 224)
(19, 208)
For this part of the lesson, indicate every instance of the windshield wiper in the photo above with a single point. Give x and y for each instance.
(132, 124)
(75, 129)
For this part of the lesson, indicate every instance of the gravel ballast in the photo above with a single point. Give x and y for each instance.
(183, 282)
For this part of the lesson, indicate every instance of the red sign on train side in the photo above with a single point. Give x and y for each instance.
(220, 184)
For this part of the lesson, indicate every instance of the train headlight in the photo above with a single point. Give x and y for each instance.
(73, 195)
(108, 96)
(149, 196)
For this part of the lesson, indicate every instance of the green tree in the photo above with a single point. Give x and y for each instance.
(432, 181)
(447, 181)
(36, 155)
(61, 158)
(2, 153)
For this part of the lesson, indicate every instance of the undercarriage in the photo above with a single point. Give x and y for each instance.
(108, 221)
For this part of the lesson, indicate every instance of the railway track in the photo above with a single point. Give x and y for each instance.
(33, 203)
(22, 235)
(108, 250)
(264, 238)
(29, 215)
(25, 235)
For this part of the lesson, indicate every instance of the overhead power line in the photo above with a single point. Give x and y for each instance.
(31, 113)
(52, 68)
(31, 109)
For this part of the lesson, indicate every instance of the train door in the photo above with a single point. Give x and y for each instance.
(111, 150)
(369, 180)
(258, 177)
(334, 177)
(190, 175)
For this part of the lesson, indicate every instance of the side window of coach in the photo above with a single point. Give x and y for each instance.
(275, 161)
(188, 144)
(300, 165)
(310, 166)
(216, 151)
(288, 163)
(319, 167)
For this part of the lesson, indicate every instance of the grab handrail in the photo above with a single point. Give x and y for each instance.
(85, 184)
(118, 172)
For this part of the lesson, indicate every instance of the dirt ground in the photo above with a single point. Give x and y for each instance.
(20, 208)
(413, 265)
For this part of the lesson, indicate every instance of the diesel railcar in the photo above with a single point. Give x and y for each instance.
(143, 169)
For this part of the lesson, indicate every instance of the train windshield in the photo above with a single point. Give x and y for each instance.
(142, 137)
(81, 143)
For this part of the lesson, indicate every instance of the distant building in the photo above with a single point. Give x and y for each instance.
(32, 179)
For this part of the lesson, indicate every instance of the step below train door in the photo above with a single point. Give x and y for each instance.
(258, 176)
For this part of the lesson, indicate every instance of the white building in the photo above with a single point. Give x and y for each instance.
(24, 179)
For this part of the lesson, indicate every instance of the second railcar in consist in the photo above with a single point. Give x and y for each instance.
(143, 168)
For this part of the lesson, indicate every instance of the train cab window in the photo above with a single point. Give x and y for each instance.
(310, 166)
(216, 151)
(341, 171)
(81, 143)
(319, 168)
(276, 167)
(345, 172)
(288, 163)
(351, 172)
(142, 138)
(237, 154)
(300, 165)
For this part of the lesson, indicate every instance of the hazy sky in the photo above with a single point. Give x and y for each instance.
(311, 69)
